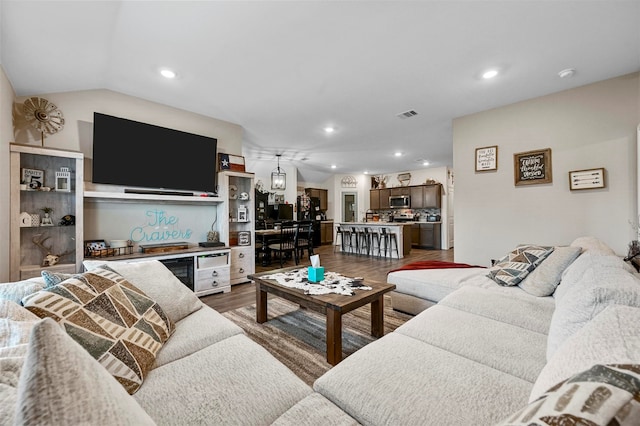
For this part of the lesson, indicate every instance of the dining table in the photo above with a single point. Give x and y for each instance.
(267, 236)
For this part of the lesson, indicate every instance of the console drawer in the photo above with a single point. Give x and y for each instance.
(211, 278)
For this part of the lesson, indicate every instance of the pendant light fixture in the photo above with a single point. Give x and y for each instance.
(278, 177)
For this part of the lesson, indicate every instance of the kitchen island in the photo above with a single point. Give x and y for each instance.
(402, 230)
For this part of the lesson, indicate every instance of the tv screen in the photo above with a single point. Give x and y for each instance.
(131, 153)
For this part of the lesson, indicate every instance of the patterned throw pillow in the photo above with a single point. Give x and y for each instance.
(515, 266)
(604, 395)
(117, 323)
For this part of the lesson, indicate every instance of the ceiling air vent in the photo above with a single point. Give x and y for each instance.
(407, 114)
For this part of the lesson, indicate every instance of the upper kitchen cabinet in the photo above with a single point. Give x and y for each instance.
(432, 196)
(321, 194)
(374, 199)
(384, 198)
(400, 190)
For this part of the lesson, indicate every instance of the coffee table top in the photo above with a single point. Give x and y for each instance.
(333, 301)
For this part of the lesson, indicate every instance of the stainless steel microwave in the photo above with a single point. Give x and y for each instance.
(400, 202)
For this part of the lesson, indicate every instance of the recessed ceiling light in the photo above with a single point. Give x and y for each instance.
(333, 166)
(425, 163)
(569, 72)
(366, 172)
(489, 74)
(329, 129)
(398, 154)
(167, 73)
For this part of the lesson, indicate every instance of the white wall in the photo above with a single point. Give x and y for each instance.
(6, 136)
(78, 108)
(587, 127)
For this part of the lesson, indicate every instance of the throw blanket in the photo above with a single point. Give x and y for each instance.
(433, 264)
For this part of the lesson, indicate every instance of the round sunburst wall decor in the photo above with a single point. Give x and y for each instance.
(43, 115)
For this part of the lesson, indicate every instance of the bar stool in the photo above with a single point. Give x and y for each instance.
(354, 240)
(372, 239)
(340, 234)
(389, 239)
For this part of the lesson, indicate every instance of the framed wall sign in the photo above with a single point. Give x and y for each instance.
(586, 179)
(532, 167)
(486, 158)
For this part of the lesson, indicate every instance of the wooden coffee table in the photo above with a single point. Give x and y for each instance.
(332, 305)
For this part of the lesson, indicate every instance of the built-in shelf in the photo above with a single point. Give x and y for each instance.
(97, 196)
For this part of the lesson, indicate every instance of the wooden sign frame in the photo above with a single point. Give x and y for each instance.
(487, 158)
(586, 179)
(532, 167)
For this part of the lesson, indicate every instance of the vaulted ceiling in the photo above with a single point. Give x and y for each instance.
(285, 70)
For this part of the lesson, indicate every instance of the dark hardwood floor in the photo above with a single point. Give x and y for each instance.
(371, 268)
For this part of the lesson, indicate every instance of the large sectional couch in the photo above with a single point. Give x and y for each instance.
(484, 354)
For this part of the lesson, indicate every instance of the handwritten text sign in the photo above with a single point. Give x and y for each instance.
(486, 158)
(159, 227)
(533, 167)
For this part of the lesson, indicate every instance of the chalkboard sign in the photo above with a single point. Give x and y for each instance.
(532, 167)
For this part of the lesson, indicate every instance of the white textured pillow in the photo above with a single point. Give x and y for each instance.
(593, 245)
(599, 287)
(158, 282)
(612, 337)
(543, 280)
(61, 384)
(18, 290)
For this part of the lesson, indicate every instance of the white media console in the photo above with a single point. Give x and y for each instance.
(204, 270)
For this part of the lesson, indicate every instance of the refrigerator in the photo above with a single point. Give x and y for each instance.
(309, 209)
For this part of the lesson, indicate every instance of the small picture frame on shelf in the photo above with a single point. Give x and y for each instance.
(242, 214)
(63, 180)
(33, 178)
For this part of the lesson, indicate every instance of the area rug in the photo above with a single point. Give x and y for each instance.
(296, 336)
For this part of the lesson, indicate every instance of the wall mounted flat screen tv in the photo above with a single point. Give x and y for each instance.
(130, 153)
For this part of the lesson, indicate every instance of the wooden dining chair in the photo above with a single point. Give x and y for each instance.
(304, 239)
(286, 244)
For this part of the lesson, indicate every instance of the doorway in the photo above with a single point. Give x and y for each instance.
(349, 206)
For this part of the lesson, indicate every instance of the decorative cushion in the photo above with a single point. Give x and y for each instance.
(18, 290)
(602, 395)
(612, 337)
(117, 323)
(601, 285)
(592, 245)
(544, 279)
(516, 265)
(61, 384)
(54, 278)
(156, 280)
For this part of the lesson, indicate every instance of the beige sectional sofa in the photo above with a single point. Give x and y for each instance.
(478, 357)
(207, 372)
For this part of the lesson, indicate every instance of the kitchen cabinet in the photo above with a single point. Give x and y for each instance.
(400, 190)
(374, 199)
(384, 198)
(426, 235)
(417, 196)
(321, 194)
(422, 196)
(432, 196)
(326, 232)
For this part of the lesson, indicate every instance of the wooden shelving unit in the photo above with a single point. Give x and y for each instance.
(26, 257)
